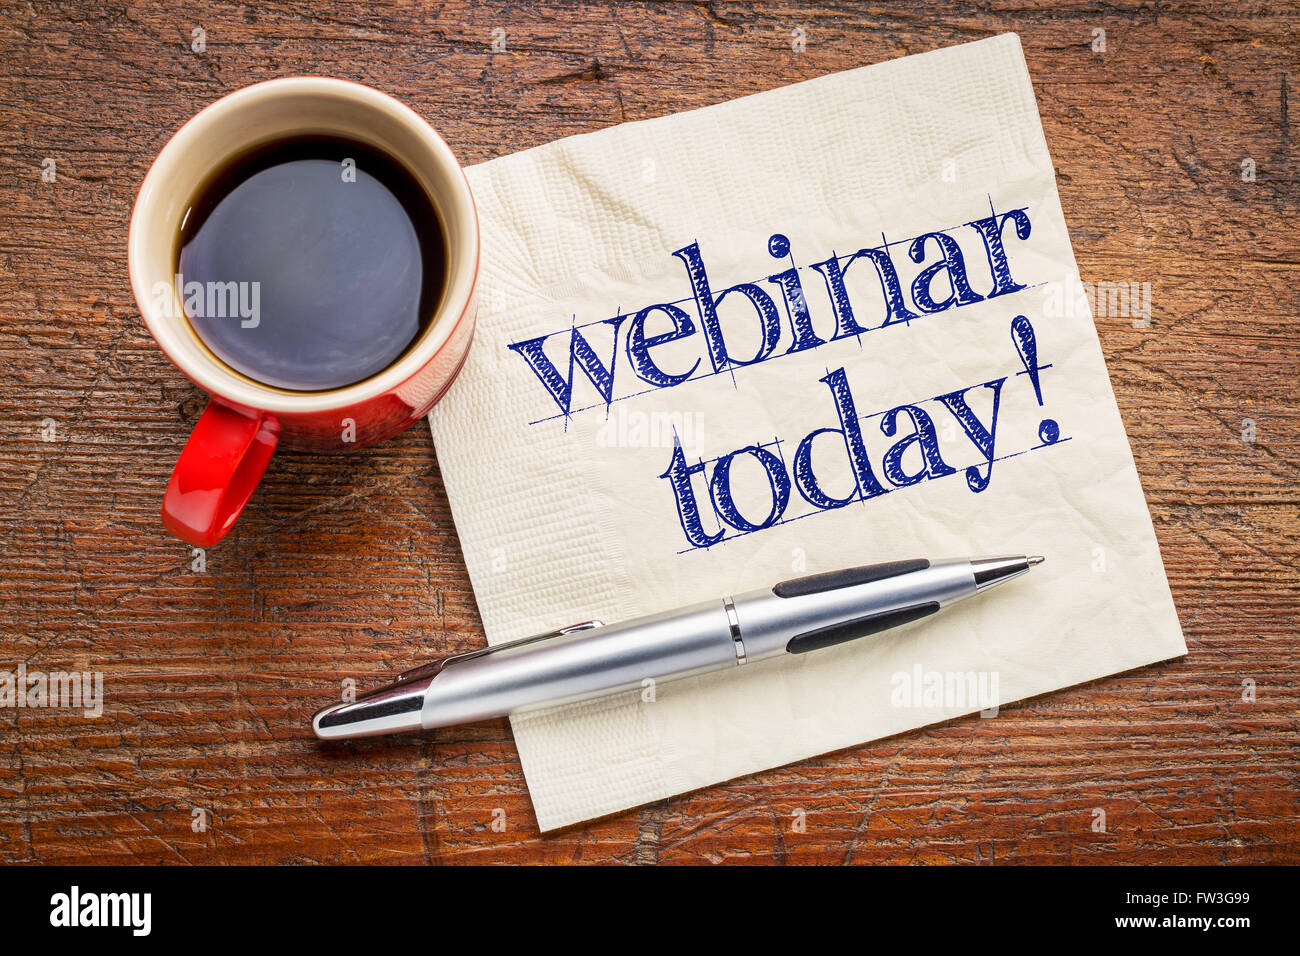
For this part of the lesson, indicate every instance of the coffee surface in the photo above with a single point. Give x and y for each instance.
(311, 264)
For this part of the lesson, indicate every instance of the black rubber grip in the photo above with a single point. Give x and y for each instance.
(831, 580)
(858, 627)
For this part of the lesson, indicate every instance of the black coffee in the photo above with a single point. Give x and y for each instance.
(311, 263)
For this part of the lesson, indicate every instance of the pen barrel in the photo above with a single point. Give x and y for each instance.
(821, 610)
(581, 665)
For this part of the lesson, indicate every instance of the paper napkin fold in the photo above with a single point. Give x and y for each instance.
(670, 309)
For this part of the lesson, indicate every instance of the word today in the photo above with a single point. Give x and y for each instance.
(912, 455)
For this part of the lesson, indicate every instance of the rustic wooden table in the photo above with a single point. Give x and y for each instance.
(1176, 166)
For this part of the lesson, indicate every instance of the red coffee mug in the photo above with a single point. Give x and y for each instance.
(246, 420)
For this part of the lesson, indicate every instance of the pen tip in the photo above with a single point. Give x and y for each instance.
(393, 709)
(1034, 559)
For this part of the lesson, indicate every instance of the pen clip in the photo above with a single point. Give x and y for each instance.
(434, 667)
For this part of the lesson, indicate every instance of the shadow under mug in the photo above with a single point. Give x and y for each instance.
(245, 420)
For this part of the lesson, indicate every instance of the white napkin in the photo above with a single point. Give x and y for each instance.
(564, 518)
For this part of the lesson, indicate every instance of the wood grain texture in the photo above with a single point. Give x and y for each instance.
(351, 567)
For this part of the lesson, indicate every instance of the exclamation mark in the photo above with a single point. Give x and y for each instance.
(1022, 334)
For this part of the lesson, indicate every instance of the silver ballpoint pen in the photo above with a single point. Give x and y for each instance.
(594, 659)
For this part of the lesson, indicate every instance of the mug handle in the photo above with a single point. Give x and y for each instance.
(218, 471)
